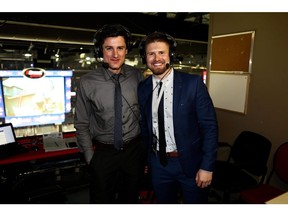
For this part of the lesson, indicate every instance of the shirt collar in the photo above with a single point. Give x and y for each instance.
(108, 74)
(166, 78)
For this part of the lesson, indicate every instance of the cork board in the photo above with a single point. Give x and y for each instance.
(232, 52)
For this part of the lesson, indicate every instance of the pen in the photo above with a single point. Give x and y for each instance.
(56, 144)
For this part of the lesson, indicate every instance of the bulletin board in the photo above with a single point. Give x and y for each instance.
(230, 70)
(232, 52)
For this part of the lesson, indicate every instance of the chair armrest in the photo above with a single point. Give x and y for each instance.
(224, 144)
(224, 150)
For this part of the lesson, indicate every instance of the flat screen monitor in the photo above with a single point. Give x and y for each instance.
(43, 97)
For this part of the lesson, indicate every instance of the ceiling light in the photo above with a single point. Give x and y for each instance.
(57, 53)
(28, 54)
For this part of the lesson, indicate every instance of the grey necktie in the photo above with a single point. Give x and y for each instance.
(118, 142)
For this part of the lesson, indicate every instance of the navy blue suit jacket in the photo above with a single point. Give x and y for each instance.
(195, 123)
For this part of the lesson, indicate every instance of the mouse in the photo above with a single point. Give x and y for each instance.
(35, 148)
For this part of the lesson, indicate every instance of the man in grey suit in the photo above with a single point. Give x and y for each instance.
(189, 125)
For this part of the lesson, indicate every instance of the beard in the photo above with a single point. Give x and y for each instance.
(158, 70)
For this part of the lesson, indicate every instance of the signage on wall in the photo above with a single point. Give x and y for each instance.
(34, 73)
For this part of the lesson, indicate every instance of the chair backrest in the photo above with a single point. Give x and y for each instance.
(250, 152)
(280, 162)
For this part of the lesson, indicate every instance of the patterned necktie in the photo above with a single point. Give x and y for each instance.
(162, 140)
(118, 142)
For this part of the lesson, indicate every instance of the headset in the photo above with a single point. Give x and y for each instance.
(112, 30)
(158, 36)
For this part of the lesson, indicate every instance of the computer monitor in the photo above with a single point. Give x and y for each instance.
(28, 99)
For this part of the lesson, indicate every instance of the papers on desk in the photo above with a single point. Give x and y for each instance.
(55, 142)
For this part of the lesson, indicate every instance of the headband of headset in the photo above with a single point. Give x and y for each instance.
(113, 30)
(157, 36)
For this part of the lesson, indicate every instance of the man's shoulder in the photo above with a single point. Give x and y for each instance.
(187, 76)
(133, 72)
(129, 68)
(96, 74)
(146, 81)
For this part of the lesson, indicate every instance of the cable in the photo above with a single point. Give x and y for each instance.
(129, 106)
(104, 64)
(166, 74)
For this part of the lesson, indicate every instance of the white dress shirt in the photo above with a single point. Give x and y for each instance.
(167, 90)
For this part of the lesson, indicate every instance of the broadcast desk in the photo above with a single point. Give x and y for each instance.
(36, 169)
(32, 156)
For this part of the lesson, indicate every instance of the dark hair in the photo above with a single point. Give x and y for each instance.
(112, 30)
(157, 37)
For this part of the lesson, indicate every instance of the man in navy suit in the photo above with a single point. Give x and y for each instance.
(190, 125)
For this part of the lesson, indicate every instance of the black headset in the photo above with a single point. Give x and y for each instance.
(158, 36)
(112, 30)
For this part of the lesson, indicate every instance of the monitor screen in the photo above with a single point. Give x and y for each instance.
(35, 100)
(7, 134)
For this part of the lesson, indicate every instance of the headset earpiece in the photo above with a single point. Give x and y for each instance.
(173, 45)
(96, 41)
(141, 49)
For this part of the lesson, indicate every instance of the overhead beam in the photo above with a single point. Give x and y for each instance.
(137, 23)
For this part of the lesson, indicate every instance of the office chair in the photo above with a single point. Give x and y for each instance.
(246, 166)
(265, 192)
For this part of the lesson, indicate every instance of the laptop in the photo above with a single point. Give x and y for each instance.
(8, 142)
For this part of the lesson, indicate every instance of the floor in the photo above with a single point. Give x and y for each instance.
(71, 187)
(78, 195)
(81, 196)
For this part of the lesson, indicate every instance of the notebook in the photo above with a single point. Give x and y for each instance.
(8, 142)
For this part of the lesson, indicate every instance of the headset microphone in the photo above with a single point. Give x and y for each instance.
(167, 66)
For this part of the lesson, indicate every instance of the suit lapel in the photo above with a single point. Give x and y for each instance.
(177, 92)
(148, 99)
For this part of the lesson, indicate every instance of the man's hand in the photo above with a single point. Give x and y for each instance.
(203, 178)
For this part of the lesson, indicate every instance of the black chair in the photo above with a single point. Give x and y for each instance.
(265, 192)
(246, 166)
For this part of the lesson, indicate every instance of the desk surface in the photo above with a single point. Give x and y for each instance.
(281, 199)
(32, 155)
